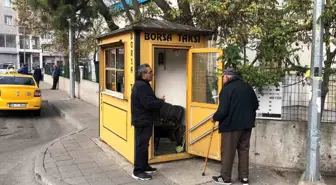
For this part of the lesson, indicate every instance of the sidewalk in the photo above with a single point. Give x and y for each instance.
(76, 158)
(81, 158)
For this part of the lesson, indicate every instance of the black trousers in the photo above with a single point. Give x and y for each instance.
(142, 137)
(38, 83)
(55, 81)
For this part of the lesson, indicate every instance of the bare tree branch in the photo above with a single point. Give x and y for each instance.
(164, 6)
(104, 11)
(127, 10)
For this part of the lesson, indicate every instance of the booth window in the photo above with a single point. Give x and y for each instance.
(205, 78)
(114, 69)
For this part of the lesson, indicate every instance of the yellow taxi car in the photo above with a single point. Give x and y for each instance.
(19, 92)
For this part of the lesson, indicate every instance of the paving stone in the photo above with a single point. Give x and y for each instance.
(105, 182)
(52, 170)
(71, 174)
(82, 138)
(93, 170)
(74, 149)
(57, 176)
(76, 180)
(71, 145)
(165, 180)
(68, 141)
(64, 163)
(48, 160)
(59, 153)
(68, 168)
(97, 177)
(67, 138)
(63, 158)
(83, 159)
(88, 144)
(87, 165)
(49, 165)
(154, 181)
(111, 168)
(78, 153)
(93, 150)
(120, 177)
(103, 163)
(135, 183)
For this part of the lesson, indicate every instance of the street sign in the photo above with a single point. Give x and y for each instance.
(270, 103)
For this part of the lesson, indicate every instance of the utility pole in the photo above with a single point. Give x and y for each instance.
(71, 75)
(312, 173)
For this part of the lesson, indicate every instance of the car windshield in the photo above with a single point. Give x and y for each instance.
(14, 80)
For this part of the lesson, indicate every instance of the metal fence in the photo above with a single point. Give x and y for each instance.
(90, 73)
(296, 96)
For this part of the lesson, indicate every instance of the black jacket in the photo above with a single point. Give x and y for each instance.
(37, 74)
(237, 106)
(145, 108)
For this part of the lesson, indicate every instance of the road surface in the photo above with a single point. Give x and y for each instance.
(21, 139)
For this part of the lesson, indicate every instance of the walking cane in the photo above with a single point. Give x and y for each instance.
(206, 159)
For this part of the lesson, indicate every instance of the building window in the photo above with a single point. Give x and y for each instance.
(36, 42)
(2, 40)
(10, 41)
(114, 69)
(8, 3)
(47, 36)
(22, 42)
(8, 20)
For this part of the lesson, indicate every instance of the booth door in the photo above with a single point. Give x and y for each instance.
(204, 83)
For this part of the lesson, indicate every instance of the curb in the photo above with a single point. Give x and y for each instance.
(41, 175)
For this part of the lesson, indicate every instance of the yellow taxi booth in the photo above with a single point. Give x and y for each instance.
(184, 71)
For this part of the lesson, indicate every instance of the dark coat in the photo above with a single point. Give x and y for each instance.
(56, 73)
(37, 74)
(237, 106)
(23, 70)
(145, 106)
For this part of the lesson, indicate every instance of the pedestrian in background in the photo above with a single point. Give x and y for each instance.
(37, 75)
(145, 108)
(55, 74)
(23, 70)
(236, 115)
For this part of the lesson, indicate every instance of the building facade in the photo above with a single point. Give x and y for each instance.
(19, 45)
(8, 34)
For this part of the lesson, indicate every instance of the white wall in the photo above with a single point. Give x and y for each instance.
(85, 90)
(171, 78)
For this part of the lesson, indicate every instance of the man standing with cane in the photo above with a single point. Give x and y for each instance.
(236, 115)
(145, 111)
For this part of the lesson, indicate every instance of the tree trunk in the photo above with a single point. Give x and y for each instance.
(185, 17)
(136, 8)
(104, 11)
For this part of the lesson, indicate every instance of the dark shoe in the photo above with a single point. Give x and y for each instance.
(142, 176)
(244, 181)
(220, 180)
(150, 170)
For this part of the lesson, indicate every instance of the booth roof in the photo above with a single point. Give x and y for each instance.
(158, 25)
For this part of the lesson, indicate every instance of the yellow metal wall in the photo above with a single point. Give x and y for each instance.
(146, 46)
(115, 115)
